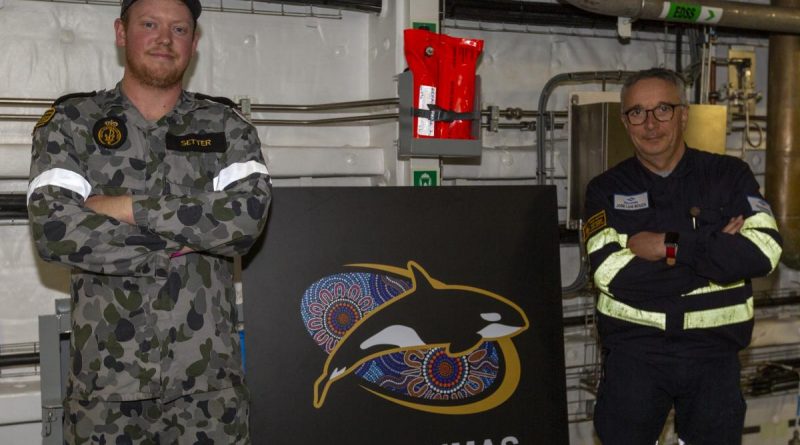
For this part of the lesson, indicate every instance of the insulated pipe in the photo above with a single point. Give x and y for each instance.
(13, 206)
(28, 359)
(781, 18)
(783, 138)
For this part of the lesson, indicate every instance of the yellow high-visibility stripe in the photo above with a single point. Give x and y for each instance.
(604, 238)
(609, 268)
(714, 287)
(613, 308)
(768, 246)
(711, 318)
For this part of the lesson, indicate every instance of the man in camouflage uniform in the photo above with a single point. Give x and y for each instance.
(148, 191)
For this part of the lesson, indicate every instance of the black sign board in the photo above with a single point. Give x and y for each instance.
(407, 316)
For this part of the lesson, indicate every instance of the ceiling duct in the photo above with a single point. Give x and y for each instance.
(713, 13)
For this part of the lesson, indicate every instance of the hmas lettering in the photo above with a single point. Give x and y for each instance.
(510, 440)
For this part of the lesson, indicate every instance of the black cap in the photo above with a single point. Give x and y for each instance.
(194, 6)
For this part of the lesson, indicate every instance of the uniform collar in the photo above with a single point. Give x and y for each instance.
(118, 104)
(682, 168)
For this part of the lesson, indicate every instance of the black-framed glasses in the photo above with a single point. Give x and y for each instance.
(662, 112)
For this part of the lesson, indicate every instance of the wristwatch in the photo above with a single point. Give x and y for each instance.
(671, 243)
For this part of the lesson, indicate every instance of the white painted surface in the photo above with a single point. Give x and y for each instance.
(48, 49)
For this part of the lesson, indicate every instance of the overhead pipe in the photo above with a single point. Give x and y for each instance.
(783, 138)
(544, 96)
(782, 18)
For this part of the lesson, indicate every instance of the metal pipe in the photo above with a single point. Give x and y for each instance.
(393, 101)
(509, 113)
(28, 359)
(782, 18)
(13, 206)
(285, 122)
(19, 117)
(326, 121)
(783, 144)
(542, 124)
(552, 84)
(315, 108)
(23, 102)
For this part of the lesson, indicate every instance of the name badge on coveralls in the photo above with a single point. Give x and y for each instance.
(631, 202)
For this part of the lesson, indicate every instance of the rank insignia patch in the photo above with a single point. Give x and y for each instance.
(110, 132)
(46, 118)
(759, 205)
(596, 223)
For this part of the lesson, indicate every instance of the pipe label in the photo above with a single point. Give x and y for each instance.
(689, 12)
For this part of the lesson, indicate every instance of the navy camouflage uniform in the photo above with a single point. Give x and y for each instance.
(671, 333)
(151, 329)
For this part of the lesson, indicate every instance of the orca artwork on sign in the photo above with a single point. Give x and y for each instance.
(407, 316)
(437, 362)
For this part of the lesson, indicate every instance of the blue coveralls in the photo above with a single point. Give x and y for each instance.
(671, 333)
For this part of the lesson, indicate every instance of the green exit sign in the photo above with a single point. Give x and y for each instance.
(424, 25)
(426, 178)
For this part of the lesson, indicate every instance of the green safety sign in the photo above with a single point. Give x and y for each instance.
(424, 25)
(689, 12)
(426, 178)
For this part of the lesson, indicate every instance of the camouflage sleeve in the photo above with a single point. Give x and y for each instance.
(227, 220)
(64, 230)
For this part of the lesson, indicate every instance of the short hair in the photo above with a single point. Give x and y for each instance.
(657, 73)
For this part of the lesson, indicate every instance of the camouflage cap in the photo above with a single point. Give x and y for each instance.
(194, 6)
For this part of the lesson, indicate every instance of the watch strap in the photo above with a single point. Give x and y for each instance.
(671, 244)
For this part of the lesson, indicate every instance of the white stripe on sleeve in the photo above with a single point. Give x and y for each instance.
(61, 178)
(235, 172)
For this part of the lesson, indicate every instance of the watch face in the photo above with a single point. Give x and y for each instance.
(671, 238)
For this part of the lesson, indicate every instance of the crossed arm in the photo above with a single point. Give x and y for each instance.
(121, 209)
(650, 245)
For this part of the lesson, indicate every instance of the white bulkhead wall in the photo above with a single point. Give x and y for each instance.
(48, 49)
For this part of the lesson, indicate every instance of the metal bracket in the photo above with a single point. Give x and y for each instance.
(51, 415)
(624, 27)
(54, 365)
(437, 113)
(409, 146)
(494, 118)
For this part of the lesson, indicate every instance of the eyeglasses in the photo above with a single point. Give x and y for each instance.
(663, 112)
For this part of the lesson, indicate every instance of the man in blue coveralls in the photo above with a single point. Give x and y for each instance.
(674, 236)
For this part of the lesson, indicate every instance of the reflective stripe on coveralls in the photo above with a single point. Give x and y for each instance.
(610, 307)
(768, 246)
(613, 308)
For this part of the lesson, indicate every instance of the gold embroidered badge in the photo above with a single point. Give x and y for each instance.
(110, 132)
(594, 224)
(46, 118)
